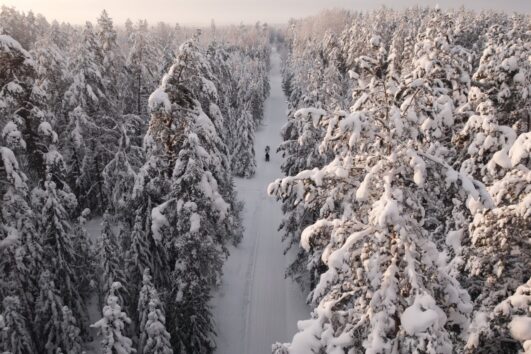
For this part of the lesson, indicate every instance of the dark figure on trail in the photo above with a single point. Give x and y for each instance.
(267, 153)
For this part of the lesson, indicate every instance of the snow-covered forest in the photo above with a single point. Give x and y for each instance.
(127, 150)
(142, 125)
(408, 191)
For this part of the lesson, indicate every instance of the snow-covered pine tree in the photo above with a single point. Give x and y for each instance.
(500, 158)
(194, 212)
(504, 73)
(371, 235)
(178, 105)
(507, 328)
(111, 326)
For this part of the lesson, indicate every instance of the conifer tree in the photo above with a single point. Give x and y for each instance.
(59, 255)
(21, 246)
(112, 265)
(111, 326)
(15, 336)
(153, 335)
(243, 159)
(54, 322)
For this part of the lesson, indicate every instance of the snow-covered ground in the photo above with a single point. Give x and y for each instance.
(255, 305)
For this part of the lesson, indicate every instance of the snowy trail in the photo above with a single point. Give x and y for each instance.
(255, 305)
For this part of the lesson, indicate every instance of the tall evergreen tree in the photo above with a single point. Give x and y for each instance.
(15, 336)
(111, 326)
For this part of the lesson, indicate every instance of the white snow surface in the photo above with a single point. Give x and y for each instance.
(255, 305)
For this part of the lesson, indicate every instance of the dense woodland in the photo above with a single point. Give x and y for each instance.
(406, 196)
(407, 193)
(145, 125)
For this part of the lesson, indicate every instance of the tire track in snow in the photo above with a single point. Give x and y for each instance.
(255, 305)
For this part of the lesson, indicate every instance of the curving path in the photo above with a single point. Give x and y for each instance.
(255, 305)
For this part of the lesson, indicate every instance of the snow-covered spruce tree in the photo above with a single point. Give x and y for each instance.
(59, 252)
(22, 106)
(20, 243)
(225, 76)
(92, 126)
(138, 258)
(70, 333)
(154, 339)
(158, 339)
(51, 76)
(112, 264)
(111, 326)
(87, 89)
(386, 287)
(243, 158)
(118, 177)
(147, 292)
(113, 60)
(86, 264)
(15, 334)
(54, 322)
(151, 185)
(141, 62)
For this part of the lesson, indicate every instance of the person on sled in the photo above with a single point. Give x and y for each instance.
(267, 153)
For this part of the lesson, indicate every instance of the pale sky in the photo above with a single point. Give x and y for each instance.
(200, 12)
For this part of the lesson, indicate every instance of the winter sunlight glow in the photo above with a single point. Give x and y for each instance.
(200, 12)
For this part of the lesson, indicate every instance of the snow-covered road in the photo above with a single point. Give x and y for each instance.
(255, 305)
